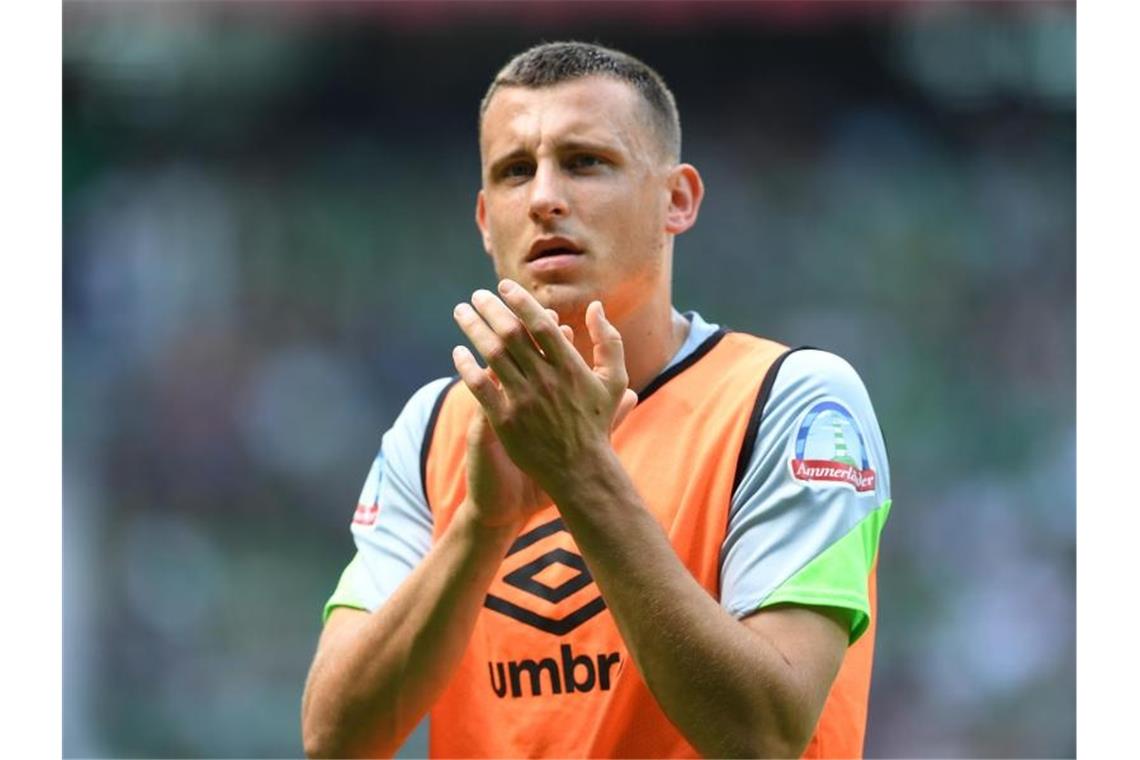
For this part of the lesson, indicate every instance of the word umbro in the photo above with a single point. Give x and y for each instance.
(578, 673)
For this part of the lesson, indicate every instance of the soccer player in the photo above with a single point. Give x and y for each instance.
(631, 532)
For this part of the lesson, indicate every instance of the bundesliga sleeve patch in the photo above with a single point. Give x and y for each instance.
(830, 449)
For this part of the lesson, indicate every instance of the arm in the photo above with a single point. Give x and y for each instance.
(734, 688)
(376, 674)
(752, 688)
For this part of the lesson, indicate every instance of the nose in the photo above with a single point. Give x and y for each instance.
(547, 194)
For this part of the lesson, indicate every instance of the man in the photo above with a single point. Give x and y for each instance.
(631, 534)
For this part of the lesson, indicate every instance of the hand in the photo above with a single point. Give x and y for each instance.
(501, 495)
(548, 409)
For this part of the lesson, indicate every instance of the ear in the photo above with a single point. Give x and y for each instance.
(481, 221)
(686, 190)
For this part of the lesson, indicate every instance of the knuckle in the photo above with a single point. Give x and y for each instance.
(545, 329)
(495, 354)
(479, 379)
(507, 417)
(480, 386)
(544, 385)
(514, 332)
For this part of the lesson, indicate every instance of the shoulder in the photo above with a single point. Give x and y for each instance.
(808, 376)
(403, 442)
(427, 397)
(819, 409)
(420, 411)
(813, 372)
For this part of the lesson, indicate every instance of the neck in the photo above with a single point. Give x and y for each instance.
(651, 336)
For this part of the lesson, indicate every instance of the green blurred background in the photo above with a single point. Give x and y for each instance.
(268, 217)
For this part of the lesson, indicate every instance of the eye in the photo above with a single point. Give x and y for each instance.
(585, 162)
(517, 170)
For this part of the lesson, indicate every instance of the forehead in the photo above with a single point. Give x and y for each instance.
(593, 109)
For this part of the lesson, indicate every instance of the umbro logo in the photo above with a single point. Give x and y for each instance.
(525, 579)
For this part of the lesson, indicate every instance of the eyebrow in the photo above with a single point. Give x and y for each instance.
(503, 161)
(585, 146)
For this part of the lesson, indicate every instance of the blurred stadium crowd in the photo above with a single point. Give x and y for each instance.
(268, 217)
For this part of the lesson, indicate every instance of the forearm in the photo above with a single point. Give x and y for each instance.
(728, 690)
(372, 680)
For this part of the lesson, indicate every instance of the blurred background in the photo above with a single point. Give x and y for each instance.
(268, 218)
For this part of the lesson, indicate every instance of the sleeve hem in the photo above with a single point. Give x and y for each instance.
(332, 604)
(857, 606)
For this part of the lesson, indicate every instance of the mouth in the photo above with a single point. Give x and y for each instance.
(552, 246)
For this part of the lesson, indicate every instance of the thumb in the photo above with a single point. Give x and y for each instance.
(479, 431)
(609, 353)
(625, 406)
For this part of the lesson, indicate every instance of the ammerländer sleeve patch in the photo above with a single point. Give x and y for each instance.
(830, 449)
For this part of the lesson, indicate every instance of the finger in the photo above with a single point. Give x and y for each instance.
(567, 330)
(538, 322)
(609, 353)
(488, 344)
(625, 406)
(509, 328)
(479, 431)
(494, 378)
(478, 381)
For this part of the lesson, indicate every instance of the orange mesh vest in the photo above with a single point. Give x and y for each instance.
(546, 672)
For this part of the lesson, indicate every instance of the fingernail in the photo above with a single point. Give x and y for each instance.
(459, 309)
(506, 286)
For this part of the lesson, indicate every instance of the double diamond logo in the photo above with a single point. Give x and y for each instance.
(526, 579)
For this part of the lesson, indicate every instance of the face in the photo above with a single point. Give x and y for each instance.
(576, 195)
